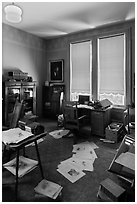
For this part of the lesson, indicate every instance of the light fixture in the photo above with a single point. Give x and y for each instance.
(13, 13)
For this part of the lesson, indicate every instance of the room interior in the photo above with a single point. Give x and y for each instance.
(30, 49)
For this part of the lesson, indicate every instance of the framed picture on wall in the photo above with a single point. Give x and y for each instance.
(56, 71)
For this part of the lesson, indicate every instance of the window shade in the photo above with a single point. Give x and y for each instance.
(80, 67)
(111, 65)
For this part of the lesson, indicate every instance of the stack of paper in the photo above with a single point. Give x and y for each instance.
(14, 135)
(48, 188)
(25, 166)
(82, 160)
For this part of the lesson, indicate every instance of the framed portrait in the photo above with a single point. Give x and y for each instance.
(56, 71)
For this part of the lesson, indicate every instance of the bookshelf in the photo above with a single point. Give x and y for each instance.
(25, 91)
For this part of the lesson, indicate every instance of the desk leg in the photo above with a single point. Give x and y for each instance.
(17, 166)
(39, 161)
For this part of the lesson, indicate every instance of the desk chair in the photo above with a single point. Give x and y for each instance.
(72, 120)
(14, 116)
(129, 116)
(13, 121)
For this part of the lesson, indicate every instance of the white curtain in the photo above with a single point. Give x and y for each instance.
(80, 60)
(111, 65)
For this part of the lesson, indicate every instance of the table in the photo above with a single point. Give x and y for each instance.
(20, 145)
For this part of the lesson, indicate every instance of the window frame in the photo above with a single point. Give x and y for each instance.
(128, 61)
(114, 30)
(91, 57)
(98, 73)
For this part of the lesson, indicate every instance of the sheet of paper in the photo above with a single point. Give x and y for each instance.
(84, 146)
(87, 165)
(72, 161)
(57, 134)
(86, 154)
(71, 172)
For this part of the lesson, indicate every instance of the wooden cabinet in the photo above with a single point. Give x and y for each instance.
(25, 91)
(52, 100)
(100, 119)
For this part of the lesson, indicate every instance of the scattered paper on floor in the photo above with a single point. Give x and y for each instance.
(81, 164)
(82, 160)
(70, 172)
(57, 134)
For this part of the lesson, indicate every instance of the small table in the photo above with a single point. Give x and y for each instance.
(21, 145)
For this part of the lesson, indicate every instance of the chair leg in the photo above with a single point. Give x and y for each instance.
(75, 132)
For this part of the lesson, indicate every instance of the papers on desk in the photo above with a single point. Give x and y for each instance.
(14, 135)
(48, 188)
(84, 106)
(126, 159)
(82, 160)
(25, 166)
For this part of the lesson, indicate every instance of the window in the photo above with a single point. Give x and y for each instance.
(80, 69)
(111, 69)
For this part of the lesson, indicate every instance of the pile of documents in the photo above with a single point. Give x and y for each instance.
(82, 160)
(14, 135)
(48, 188)
(25, 165)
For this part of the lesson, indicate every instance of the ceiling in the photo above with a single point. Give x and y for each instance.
(53, 19)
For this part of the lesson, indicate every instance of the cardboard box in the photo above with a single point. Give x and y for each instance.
(115, 132)
(110, 191)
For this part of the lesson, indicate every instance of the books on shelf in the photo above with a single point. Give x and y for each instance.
(48, 188)
(14, 136)
(25, 165)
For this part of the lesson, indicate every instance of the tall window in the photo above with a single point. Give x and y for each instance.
(80, 69)
(111, 69)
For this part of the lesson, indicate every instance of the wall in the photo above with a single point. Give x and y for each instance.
(59, 49)
(32, 54)
(21, 50)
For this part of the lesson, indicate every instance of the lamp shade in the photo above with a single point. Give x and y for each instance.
(13, 13)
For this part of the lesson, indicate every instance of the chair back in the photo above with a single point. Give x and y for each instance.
(16, 114)
(70, 114)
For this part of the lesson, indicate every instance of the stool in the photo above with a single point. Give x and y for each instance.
(110, 191)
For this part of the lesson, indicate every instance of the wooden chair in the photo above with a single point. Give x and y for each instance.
(72, 120)
(13, 122)
(130, 117)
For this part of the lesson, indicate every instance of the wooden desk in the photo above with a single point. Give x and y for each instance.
(98, 118)
(21, 145)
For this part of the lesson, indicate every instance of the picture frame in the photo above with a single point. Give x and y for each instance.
(56, 71)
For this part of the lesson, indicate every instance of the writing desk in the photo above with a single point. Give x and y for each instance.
(20, 145)
(99, 119)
